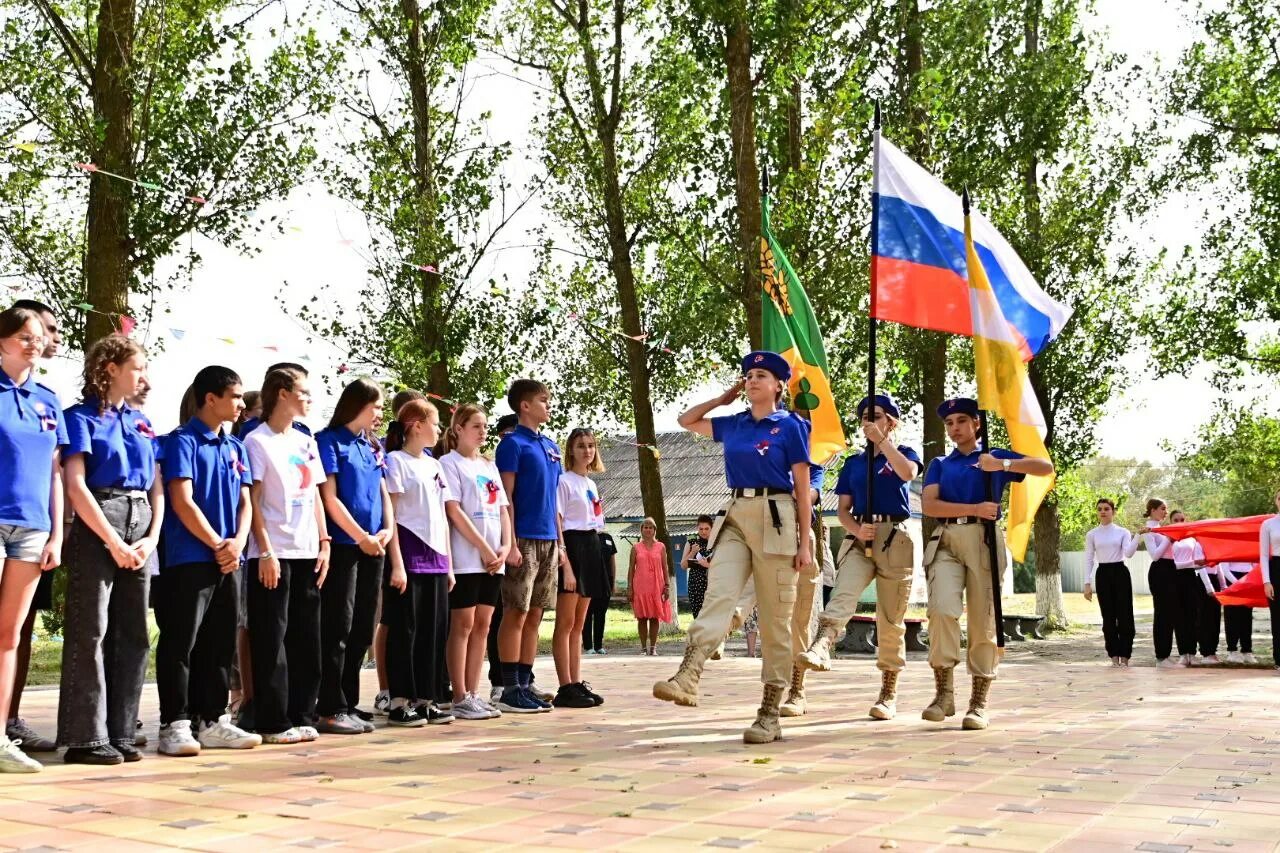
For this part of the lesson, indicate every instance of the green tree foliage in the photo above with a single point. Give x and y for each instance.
(1227, 89)
(1239, 453)
(208, 98)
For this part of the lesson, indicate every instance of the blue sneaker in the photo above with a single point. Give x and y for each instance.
(517, 701)
(542, 704)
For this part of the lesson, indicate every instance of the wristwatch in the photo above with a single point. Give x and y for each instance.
(1007, 463)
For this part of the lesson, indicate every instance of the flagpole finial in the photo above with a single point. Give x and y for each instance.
(764, 181)
(875, 122)
(964, 200)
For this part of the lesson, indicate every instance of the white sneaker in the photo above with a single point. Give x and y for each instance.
(224, 735)
(1186, 660)
(470, 709)
(1209, 660)
(491, 708)
(286, 736)
(382, 703)
(1235, 657)
(1169, 663)
(308, 733)
(176, 739)
(1250, 657)
(495, 694)
(14, 760)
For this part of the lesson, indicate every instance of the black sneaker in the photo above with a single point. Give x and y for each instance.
(433, 715)
(128, 751)
(585, 690)
(569, 696)
(103, 755)
(139, 739)
(363, 715)
(405, 717)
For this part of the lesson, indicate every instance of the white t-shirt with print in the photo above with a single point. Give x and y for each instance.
(288, 466)
(579, 502)
(477, 487)
(420, 482)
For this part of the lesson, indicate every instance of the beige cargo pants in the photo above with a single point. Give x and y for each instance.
(749, 547)
(956, 565)
(891, 569)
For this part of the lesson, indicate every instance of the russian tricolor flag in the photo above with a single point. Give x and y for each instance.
(919, 274)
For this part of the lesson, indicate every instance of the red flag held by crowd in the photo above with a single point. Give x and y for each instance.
(1246, 592)
(1224, 540)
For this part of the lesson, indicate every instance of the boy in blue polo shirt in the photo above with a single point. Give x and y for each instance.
(206, 475)
(530, 466)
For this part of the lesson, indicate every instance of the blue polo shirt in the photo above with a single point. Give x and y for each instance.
(253, 423)
(217, 465)
(760, 453)
(535, 460)
(31, 431)
(118, 445)
(358, 468)
(960, 480)
(891, 497)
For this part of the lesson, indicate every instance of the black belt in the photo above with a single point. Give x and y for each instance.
(964, 519)
(878, 519)
(113, 492)
(760, 492)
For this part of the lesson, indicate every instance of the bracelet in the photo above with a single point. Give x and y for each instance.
(324, 539)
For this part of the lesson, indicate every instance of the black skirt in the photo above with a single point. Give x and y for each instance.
(587, 560)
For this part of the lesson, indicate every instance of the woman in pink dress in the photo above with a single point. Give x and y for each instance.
(647, 585)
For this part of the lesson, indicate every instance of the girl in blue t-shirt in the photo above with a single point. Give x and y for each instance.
(358, 509)
(110, 469)
(32, 435)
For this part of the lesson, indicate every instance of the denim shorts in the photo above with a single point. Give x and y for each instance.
(22, 543)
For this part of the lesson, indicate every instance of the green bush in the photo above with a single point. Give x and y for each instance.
(1024, 577)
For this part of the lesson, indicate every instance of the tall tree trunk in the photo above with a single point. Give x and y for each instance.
(107, 264)
(432, 324)
(933, 345)
(1047, 529)
(742, 124)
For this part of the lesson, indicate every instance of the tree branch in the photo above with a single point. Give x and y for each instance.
(74, 50)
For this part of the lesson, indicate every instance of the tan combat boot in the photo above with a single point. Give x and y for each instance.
(818, 655)
(766, 728)
(794, 706)
(976, 717)
(944, 697)
(886, 706)
(682, 688)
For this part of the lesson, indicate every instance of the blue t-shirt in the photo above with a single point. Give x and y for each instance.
(760, 453)
(31, 431)
(217, 465)
(253, 423)
(891, 497)
(359, 468)
(960, 480)
(535, 460)
(119, 445)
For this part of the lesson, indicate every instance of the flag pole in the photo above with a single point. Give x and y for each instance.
(871, 316)
(989, 528)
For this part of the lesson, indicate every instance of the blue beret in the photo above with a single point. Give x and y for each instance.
(885, 402)
(770, 361)
(958, 406)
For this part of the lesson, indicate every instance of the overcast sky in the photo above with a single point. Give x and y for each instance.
(236, 297)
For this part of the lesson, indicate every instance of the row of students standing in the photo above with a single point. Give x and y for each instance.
(763, 534)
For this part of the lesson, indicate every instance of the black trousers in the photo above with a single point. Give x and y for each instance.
(1189, 591)
(1239, 624)
(197, 621)
(1274, 570)
(417, 628)
(1162, 579)
(1208, 619)
(284, 636)
(348, 606)
(593, 630)
(1114, 588)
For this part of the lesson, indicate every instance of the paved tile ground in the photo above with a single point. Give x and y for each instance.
(1080, 756)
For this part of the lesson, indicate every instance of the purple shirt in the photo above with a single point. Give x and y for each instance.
(419, 557)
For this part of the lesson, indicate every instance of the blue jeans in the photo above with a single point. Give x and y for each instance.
(105, 647)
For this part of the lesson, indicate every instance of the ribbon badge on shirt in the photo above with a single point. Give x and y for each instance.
(762, 447)
(48, 422)
(553, 454)
(488, 487)
(439, 481)
(236, 464)
(379, 458)
(887, 469)
(144, 429)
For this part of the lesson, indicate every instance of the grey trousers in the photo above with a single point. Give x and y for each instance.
(105, 645)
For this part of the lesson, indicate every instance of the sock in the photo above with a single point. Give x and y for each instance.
(510, 679)
(525, 674)
(398, 703)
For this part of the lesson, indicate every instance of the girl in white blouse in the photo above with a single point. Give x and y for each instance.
(1162, 580)
(1269, 557)
(1106, 547)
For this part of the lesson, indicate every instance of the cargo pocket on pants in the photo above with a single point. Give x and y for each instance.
(781, 530)
(786, 582)
(902, 551)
